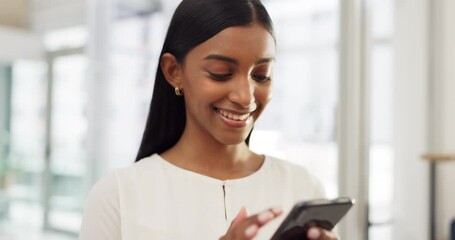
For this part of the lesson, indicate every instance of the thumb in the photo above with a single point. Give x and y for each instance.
(243, 213)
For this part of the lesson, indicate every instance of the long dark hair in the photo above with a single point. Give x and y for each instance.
(194, 22)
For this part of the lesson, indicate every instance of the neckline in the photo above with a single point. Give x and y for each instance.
(203, 177)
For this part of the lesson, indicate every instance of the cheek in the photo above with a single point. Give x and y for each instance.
(192, 84)
(263, 94)
(201, 91)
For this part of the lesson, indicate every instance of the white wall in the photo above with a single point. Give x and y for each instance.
(446, 171)
(57, 14)
(19, 44)
(411, 219)
(425, 114)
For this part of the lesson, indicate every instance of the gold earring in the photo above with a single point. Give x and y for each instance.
(178, 91)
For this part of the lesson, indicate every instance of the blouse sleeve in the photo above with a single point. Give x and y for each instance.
(101, 219)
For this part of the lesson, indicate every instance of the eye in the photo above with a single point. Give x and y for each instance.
(220, 77)
(261, 78)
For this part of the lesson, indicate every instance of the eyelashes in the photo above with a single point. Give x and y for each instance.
(220, 77)
(224, 77)
(261, 78)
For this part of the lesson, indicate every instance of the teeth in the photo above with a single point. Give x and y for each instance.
(234, 116)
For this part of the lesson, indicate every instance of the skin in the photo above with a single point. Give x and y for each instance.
(231, 71)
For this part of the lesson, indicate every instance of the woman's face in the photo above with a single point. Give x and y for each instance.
(227, 82)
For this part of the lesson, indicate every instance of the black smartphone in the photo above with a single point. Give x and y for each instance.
(321, 213)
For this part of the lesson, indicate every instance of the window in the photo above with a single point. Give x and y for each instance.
(300, 122)
(68, 145)
(27, 137)
(381, 121)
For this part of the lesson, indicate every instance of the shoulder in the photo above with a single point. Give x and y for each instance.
(105, 193)
(119, 194)
(301, 179)
(104, 189)
(292, 169)
(101, 219)
(103, 207)
(144, 170)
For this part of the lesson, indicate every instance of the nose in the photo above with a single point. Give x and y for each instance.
(242, 92)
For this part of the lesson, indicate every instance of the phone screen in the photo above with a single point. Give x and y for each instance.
(322, 213)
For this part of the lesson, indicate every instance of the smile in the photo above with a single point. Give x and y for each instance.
(233, 116)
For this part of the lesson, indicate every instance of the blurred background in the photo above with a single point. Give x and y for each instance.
(363, 88)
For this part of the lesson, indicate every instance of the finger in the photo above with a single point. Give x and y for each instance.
(241, 216)
(254, 223)
(328, 235)
(268, 215)
(316, 233)
(243, 213)
(251, 231)
(313, 233)
(249, 226)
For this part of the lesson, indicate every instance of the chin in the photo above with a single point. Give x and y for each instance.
(232, 140)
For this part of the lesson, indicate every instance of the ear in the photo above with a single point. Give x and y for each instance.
(172, 70)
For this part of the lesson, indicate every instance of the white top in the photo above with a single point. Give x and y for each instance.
(154, 199)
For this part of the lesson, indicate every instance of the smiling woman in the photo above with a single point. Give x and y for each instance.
(195, 175)
(224, 78)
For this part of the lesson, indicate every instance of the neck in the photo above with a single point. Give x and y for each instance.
(207, 156)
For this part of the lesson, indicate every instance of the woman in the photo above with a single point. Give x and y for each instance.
(195, 177)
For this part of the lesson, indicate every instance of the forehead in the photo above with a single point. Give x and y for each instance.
(243, 43)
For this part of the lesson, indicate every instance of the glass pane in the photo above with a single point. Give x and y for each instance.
(381, 149)
(381, 183)
(68, 148)
(73, 37)
(300, 122)
(134, 63)
(381, 232)
(381, 121)
(131, 85)
(382, 18)
(27, 144)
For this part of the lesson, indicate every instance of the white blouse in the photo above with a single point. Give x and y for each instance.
(154, 199)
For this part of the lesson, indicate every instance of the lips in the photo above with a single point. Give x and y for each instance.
(234, 119)
(233, 116)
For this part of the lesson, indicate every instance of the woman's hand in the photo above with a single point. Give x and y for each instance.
(246, 227)
(316, 233)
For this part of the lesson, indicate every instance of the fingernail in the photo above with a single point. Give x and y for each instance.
(240, 212)
(251, 230)
(277, 210)
(265, 216)
(313, 233)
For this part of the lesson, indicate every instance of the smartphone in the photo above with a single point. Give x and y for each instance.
(321, 213)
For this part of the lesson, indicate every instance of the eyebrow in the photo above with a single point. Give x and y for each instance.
(234, 61)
